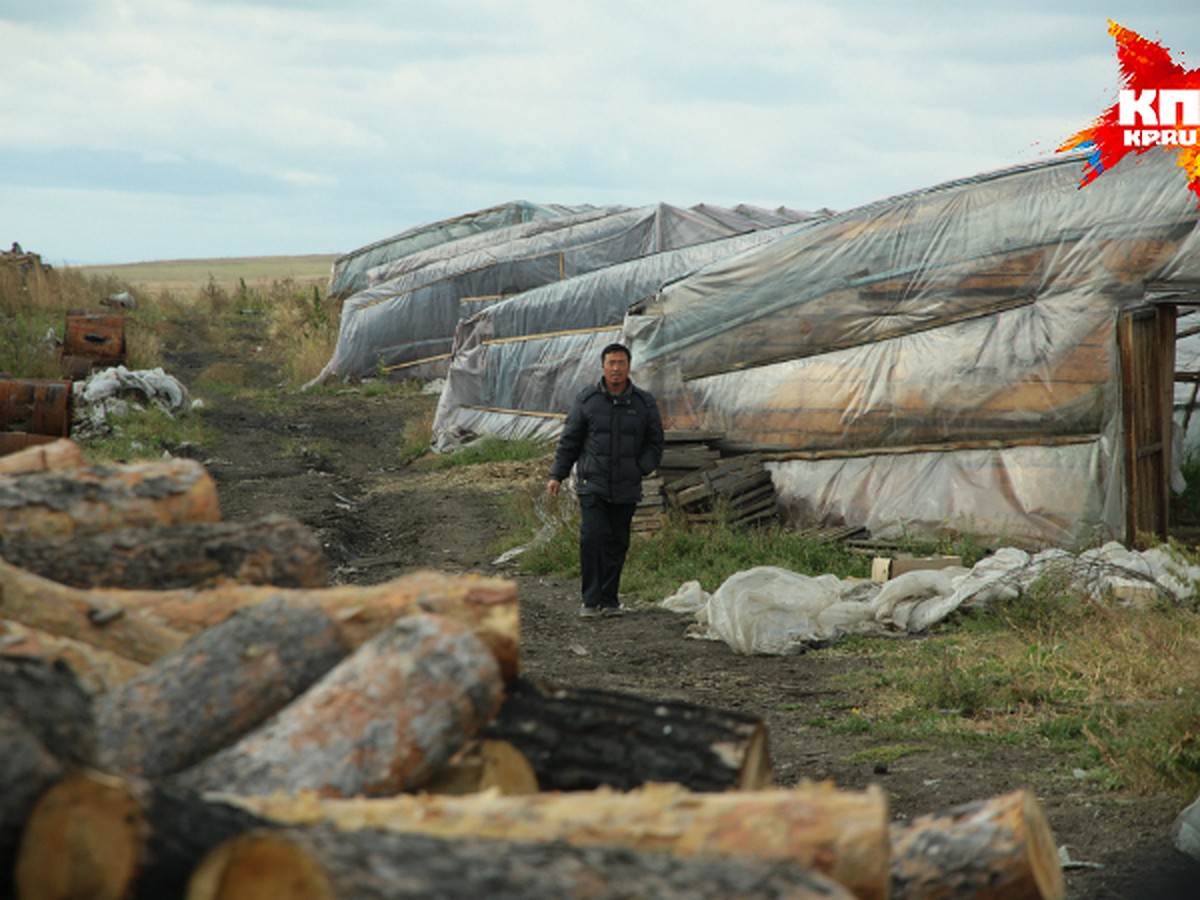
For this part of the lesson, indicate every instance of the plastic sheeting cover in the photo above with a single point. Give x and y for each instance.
(405, 325)
(516, 367)
(350, 269)
(918, 340)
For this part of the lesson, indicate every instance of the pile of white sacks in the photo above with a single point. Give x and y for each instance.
(769, 610)
(115, 392)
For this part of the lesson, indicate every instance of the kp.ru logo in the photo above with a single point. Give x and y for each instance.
(1158, 106)
(1164, 110)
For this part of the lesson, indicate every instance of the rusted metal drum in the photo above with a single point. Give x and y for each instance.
(36, 406)
(92, 339)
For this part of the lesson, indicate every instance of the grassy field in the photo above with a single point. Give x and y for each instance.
(189, 275)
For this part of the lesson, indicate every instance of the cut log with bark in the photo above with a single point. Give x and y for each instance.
(59, 455)
(47, 698)
(484, 765)
(578, 739)
(1000, 848)
(86, 616)
(82, 839)
(383, 720)
(273, 549)
(96, 498)
(92, 834)
(144, 625)
(26, 769)
(322, 862)
(98, 671)
(842, 834)
(45, 729)
(217, 687)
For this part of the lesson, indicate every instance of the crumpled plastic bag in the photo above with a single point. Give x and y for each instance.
(771, 610)
(116, 391)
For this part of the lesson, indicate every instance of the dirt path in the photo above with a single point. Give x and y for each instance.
(330, 461)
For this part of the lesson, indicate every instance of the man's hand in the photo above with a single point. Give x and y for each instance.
(553, 486)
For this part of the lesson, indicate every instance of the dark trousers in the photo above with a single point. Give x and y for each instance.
(603, 543)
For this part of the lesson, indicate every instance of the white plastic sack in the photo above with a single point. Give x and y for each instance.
(770, 610)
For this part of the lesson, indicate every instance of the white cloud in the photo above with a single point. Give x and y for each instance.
(369, 118)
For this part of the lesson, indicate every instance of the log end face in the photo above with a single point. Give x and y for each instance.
(1043, 851)
(259, 866)
(83, 839)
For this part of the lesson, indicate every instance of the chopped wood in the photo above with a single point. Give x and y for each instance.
(144, 625)
(842, 834)
(57, 455)
(86, 616)
(484, 765)
(95, 498)
(49, 701)
(15, 441)
(487, 605)
(98, 670)
(214, 689)
(578, 739)
(322, 863)
(1000, 848)
(273, 549)
(86, 827)
(383, 720)
(82, 839)
(45, 728)
(26, 769)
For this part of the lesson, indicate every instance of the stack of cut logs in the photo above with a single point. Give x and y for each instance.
(231, 737)
(698, 484)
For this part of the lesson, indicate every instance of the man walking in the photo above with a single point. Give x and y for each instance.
(615, 434)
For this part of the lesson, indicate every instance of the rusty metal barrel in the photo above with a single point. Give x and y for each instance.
(92, 339)
(35, 406)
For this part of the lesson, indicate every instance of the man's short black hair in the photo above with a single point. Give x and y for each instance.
(616, 348)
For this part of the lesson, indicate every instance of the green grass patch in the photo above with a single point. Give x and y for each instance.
(885, 754)
(489, 450)
(146, 434)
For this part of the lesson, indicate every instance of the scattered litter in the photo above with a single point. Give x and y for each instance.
(553, 513)
(121, 300)
(118, 391)
(1065, 860)
(1187, 830)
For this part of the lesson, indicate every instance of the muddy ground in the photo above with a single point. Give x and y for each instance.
(331, 461)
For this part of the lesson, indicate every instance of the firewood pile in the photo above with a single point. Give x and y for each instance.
(226, 738)
(700, 485)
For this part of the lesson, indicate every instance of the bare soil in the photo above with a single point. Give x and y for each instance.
(330, 460)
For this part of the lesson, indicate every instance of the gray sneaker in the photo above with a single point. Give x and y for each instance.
(588, 612)
(612, 610)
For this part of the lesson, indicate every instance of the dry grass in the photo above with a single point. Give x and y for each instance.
(1117, 686)
(189, 277)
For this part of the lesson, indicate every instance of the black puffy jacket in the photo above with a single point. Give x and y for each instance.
(616, 439)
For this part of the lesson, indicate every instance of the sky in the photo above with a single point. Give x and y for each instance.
(134, 130)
